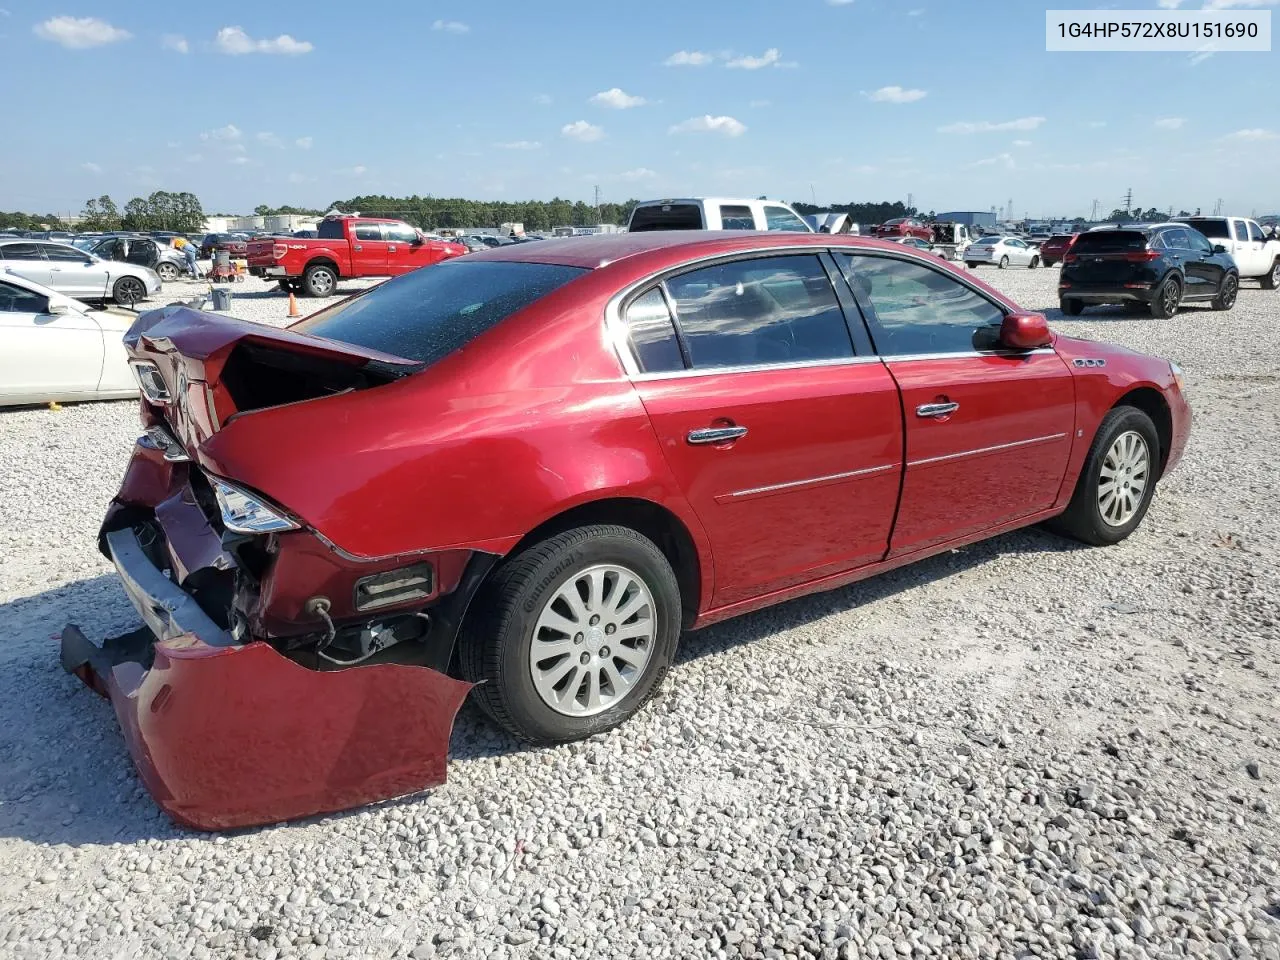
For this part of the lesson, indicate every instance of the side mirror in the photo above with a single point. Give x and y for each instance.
(1219, 248)
(1025, 331)
(418, 240)
(57, 310)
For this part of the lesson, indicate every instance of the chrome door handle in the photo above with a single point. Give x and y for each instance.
(357, 247)
(936, 409)
(716, 434)
(391, 249)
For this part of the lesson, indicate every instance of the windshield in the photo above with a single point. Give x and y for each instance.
(428, 314)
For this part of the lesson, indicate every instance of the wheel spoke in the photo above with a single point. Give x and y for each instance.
(546, 649)
(621, 584)
(630, 655)
(551, 679)
(593, 690)
(631, 609)
(561, 624)
(595, 590)
(617, 682)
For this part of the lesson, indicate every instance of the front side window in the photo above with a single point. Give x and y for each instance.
(652, 334)
(1255, 232)
(428, 314)
(780, 218)
(399, 232)
(736, 218)
(16, 299)
(765, 310)
(919, 310)
(1199, 242)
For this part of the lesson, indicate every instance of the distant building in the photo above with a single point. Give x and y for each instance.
(970, 218)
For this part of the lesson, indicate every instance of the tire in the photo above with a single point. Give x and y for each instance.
(1035, 262)
(971, 265)
(1004, 262)
(1050, 263)
(1085, 518)
(128, 291)
(167, 272)
(1135, 306)
(319, 280)
(1166, 300)
(1227, 293)
(496, 645)
(1071, 306)
(285, 285)
(1271, 279)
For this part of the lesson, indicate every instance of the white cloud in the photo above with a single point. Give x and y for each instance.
(450, 26)
(895, 94)
(688, 58)
(1201, 55)
(542, 100)
(1253, 135)
(617, 99)
(582, 131)
(1097, 124)
(270, 139)
(240, 161)
(229, 132)
(1022, 143)
(639, 173)
(79, 33)
(770, 58)
(1170, 123)
(1001, 159)
(1168, 4)
(235, 42)
(175, 42)
(1236, 4)
(839, 3)
(519, 145)
(709, 124)
(303, 143)
(300, 178)
(91, 167)
(917, 12)
(986, 126)
(193, 157)
(756, 104)
(358, 170)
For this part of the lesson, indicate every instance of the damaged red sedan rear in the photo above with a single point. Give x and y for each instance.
(524, 472)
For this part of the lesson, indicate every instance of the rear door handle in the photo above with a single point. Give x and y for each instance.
(716, 434)
(936, 409)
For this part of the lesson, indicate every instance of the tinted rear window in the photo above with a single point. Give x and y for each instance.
(669, 216)
(1211, 228)
(1104, 240)
(428, 314)
(330, 230)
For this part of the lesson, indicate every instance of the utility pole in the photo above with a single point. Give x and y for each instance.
(910, 196)
(1128, 201)
(1217, 208)
(1008, 211)
(597, 203)
(1094, 215)
(813, 195)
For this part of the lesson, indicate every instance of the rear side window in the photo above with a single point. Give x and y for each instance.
(652, 334)
(330, 230)
(736, 218)
(428, 314)
(1212, 228)
(1179, 239)
(1242, 233)
(666, 216)
(762, 311)
(20, 251)
(1111, 241)
(918, 310)
(780, 218)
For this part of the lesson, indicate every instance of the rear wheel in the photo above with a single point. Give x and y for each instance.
(1048, 262)
(167, 272)
(319, 280)
(1072, 307)
(1271, 279)
(1227, 293)
(1165, 302)
(1035, 262)
(572, 636)
(128, 291)
(1004, 261)
(1117, 481)
(971, 265)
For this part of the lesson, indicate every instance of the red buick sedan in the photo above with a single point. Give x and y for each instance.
(523, 473)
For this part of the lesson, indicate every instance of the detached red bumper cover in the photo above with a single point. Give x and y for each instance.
(226, 735)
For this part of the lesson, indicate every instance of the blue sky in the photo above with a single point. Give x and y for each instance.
(956, 103)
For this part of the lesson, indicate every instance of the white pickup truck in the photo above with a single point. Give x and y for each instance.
(1256, 257)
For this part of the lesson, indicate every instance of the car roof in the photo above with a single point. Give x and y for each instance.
(602, 249)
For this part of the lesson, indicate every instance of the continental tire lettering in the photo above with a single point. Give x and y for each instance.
(532, 603)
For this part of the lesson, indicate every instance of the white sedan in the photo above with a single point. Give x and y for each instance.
(75, 273)
(55, 348)
(1002, 251)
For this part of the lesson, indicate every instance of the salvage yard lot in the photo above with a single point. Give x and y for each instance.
(1024, 745)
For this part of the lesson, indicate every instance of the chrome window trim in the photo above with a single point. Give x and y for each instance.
(794, 484)
(752, 368)
(965, 354)
(980, 450)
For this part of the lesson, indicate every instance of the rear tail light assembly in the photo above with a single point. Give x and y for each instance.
(1142, 256)
(1070, 258)
(278, 251)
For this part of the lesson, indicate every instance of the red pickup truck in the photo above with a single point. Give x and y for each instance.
(346, 246)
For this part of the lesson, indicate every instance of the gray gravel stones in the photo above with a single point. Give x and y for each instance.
(1018, 749)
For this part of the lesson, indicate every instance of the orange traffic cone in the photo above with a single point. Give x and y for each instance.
(293, 306)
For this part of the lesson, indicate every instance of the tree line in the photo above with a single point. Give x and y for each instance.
(162, 210)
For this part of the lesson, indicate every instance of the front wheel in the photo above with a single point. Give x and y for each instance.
(319, 281)
(1004, 262)
(1048, 262)
(128, 291)
(1071, 306)
(1035, 262)
(1165, 303)
(1271, 279)
(1117, 481)
(574, 635)
(167, 272)
(1227, 293)
(971, 265)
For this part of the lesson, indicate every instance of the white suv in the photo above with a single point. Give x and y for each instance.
(1256, 257)
(715, 213)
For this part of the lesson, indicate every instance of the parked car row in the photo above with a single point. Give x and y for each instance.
(77, 273)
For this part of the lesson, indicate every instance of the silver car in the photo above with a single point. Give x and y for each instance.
(77, 274)
(165, 260)
(1002, 251)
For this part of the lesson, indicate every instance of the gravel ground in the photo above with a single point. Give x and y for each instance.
(1022, 748)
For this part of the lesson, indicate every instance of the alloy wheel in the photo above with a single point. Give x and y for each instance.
(593, 640)
(130, 291)
(1230, 290)
(1170, 296)
(1275, 275)
(1123, 478)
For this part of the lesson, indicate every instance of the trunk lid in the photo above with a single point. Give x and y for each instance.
(216, 368)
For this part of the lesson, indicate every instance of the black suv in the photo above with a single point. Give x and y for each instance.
(1144, 267)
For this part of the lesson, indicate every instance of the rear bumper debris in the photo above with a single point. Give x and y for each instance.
(227, 735)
